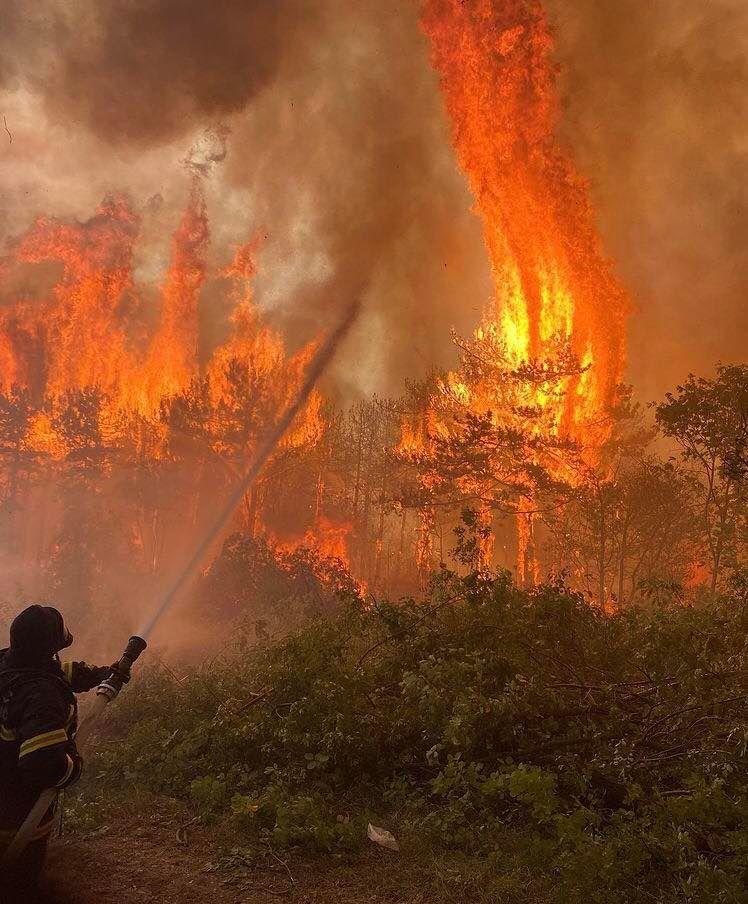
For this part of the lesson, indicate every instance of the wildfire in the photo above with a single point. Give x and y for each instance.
(85, 343)
(329, 539)
(557, 304)
(172, 360)
(327, 544)
(554, 288)
(89, 364)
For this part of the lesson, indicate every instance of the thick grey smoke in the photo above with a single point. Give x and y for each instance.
(656, 109)
(144, 71)
(360, 164)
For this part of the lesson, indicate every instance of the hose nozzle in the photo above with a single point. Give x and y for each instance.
(112, 685)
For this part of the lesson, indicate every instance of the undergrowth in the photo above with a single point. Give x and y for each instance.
(604, 756)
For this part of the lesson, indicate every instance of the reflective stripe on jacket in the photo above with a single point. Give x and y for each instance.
(38, 722)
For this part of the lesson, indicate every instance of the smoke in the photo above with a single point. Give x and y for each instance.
(143, 71)
(656, 110)
(361, 166)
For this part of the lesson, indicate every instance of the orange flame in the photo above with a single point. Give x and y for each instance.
(554, 287)
(89, 332)
(172, 361)
(556, 299)
(329, 540)
(84, 341)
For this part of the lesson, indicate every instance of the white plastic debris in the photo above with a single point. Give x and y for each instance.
(382, 837)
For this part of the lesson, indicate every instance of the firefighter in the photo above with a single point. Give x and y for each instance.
(38, 722)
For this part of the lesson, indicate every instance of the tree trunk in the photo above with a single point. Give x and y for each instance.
(603, 550)
(622, 563)
(724, 513)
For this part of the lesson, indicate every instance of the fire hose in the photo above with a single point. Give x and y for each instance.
(111, 686)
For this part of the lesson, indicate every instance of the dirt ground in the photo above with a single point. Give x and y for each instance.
(159, 858)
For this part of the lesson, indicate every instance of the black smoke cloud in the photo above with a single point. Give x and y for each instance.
(143, 71)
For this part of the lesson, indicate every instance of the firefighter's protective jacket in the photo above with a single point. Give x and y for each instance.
(38, 722)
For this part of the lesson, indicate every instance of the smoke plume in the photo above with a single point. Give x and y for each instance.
(143, 71)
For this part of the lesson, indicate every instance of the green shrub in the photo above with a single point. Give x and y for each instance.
(613, 747)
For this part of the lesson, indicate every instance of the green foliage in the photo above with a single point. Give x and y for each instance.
(611, 749)
(708, 419)
(281, 589)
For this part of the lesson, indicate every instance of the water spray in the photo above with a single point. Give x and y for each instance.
(317, 367)
(112, 685)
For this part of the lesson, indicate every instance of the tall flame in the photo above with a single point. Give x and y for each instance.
(172, 361)
(557, 319)
(83, 339)
(554, 287)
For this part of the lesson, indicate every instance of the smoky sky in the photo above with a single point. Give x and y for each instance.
(655, 108)
(143, 71)
(339, 157)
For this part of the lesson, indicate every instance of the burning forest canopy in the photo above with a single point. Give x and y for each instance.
(190, 198)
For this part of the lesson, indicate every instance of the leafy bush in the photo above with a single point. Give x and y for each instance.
(613, 747)
(281, 589)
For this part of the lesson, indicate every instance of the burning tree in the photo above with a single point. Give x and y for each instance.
(530, 408)
(552, 281)
(113, 417)
(487, 442)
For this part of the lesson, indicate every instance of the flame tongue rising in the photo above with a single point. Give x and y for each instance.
(554, 288)
(84, 343)
(548, 356)
(88, 334)
(173, 356)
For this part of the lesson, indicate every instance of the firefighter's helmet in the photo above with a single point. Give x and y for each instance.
(39, 632)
